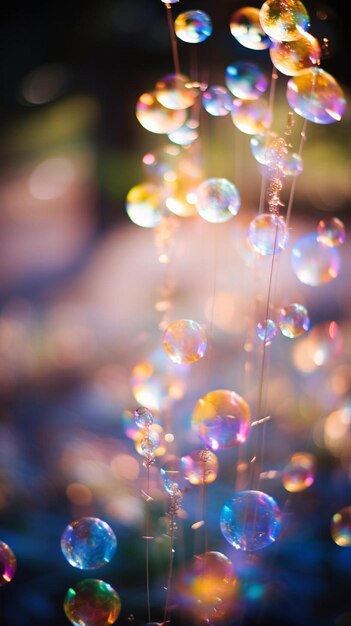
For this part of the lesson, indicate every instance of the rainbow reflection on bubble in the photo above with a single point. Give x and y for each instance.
(293, 320)
(173, 475)
(316, 96)
(291, 57)
(246, 28)
(143, 417)
(252, 117)
(299, 473)
(92, 603)
(217, 200)
(157, 118)
(313, 262)
(8, 564)
(174, 92)
(193, 26)
(245, 80)
(144, 204)
(341, 527)
(88, 543)
(184, 341)
(201, 467)
(292, 164)
(268, 234)
(217, 101)
(331, 232)
(284, 20)
(266, 330)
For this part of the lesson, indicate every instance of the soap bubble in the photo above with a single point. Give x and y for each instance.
(143, 417)
(145, 204)
(8, 564)
(331, 232)
(217, 200)
(173, 475)
(155, 117)
(341, 527)
(92, 603)
(290, 57)
(293, 320)
(252, 117)
(201, 467)
(193, 26)
(268, 234)
(174, 92)
(246, 28)
(316, 96)
(265, 148)
(292, 164)
(221, 419)
(298, 474)
(184, 341)
(217, 100)
(314, 263)
(150, 442)
(284, 20)
(245, 80)
(251, 520)
(184, 136)
(88, 543)
(266, 331)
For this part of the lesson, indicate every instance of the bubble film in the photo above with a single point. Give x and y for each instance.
(341, 527)
(266, 330)
(8, 564)
(265, 148)
(217, 101)
(143, 417)
(193, 26)
(245, 26)
(155, 117)
(298, 474)
(184, 341)
(221, 419)
(201, 467)
(245, 80)
(144, 205)
(150, 442)
(316, 96)
(268, 234)
(291, 57)
(331, 232)
(173, 475)
(92, 603)
(313, 262)
(88, 543)
(252, 117)
(184, 136)
(174, 91)
(292, 164)
(284, 20)
(293, 320)
(217, 200)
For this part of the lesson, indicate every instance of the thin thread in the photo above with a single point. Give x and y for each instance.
(170, 570)
(271, 98)
(173, 39)
(293, 184)
(147, 513)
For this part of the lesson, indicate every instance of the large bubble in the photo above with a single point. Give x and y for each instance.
(193, 26)
(145, 204)
(217, 200)
(316, 96)
(268, 234)
(331, 232)
(291, 57)
(92, 603)
(184, 341)
(313, 262)
(245, 80)
(284, 20)
(252, 117)
(174, 91)
(217, 101)
(246, 28)
(157, 118)
(88, 543)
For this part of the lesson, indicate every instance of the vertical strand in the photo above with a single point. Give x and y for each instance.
(173, 39)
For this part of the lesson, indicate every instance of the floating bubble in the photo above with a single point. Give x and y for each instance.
(264, 148)
(284, 20)
(292, 164)
(293, 320)
(268, 234)
(331, 232)
(162, 164)
(150, 442)
(217, 100)
(251, 520)
(298, 474)
(184, 136)
(245, 26)
(144, 204)
(217, 200)
(143, 417)
(201, 467)
(184, 341)
(252, 117)
(193, 26)
(88, 543)
(245, 80)
(316, 96)
(174, 92)
(266, 330)
(290, 57)
(341, 527)
(92, 603)
(221, 419)
(173, 475)
(155, 117)
(314, 263)
(8, 564)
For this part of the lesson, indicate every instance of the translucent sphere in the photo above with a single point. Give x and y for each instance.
(316, 96)
(92, 603)
(264, 148)
(268, 234)
(251, 520)
(292, 164)
(173, 475)
(150, 441)
(193, 26)
(184, 341)
(174, 91)
(245, 26)
(155, 117)
(298, 474)
(313, 262)
(8, 564)
(217, 101)
(290, 57)
(184, 136)
(88, 543)
(331, 232)
(144, 204)
(217, 200)
(252, 117)
(245, 80)
(266, 331)
(293, 320)
(341, 527)
(284, 20)
(143, 417)
(221, 419)
(201, 467)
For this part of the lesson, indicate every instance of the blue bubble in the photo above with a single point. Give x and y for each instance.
(266, 330)
(88, 543)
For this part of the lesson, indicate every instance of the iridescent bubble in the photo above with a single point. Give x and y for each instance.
(251, 520)
(193, 26)
(92, 603)
(266, 330)
(162, 163)
(316, 96)
(184, 341)
(150, 442)
(173, 475)
(201, 467)
(292, 164)
(331, 232)
(263, 147)
(246, 28)
(341, 527)
(184, 136)
(8, 564)
(144, 204)
(313, 262)
(143, 417)
(174, 91)
(88, 543)
(298, 474)
(290, 57)
(268, 234)
(245, 80)
(217, 200)
(293, 320)
(284, 20)
(252, 117)
(217, 100)
(221, 419)
(155, 117)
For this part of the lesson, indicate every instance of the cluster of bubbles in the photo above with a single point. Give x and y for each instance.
(292, 320)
